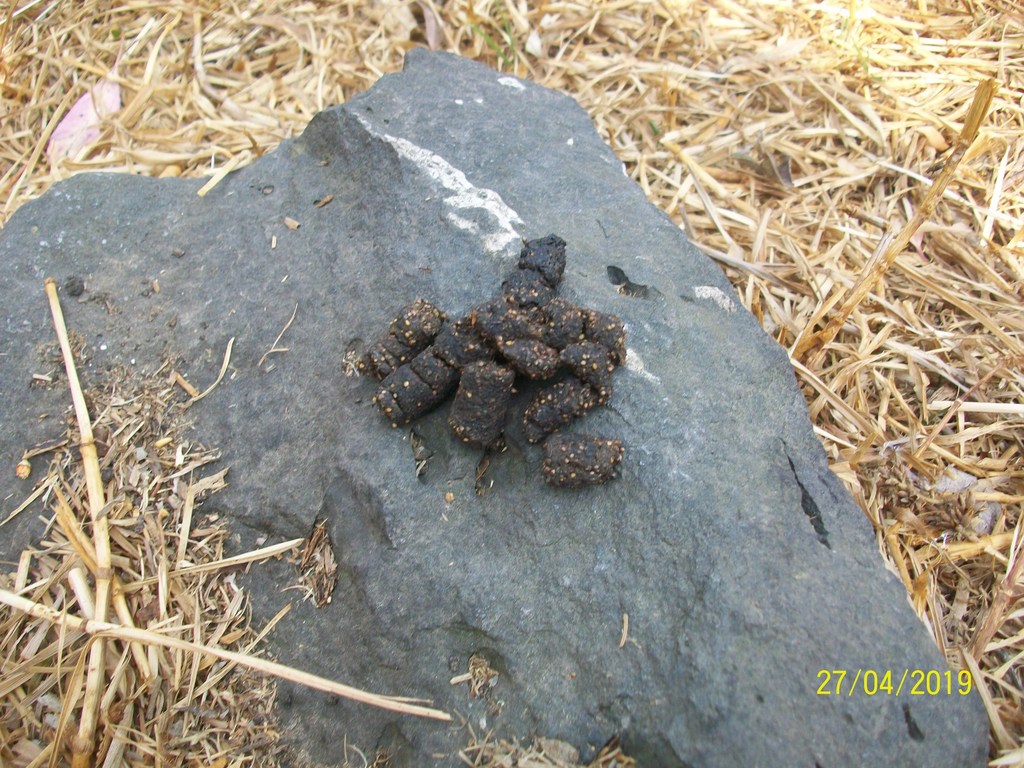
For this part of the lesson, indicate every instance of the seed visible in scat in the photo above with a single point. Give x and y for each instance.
(530, 358)
(592, 365)
(555, 406)
(502, 319)
(608, 331)
(481, 403)
(576, 460)
(417, 324)
(563, 323)
(435, 373)
(409, 334)
(459, 344)
(525, 330)
(384, 356)
(415, 388)
(527, 289)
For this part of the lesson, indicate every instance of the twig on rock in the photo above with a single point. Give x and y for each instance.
(223, 369)
(82, 747)
(400, 704)
(273, 347)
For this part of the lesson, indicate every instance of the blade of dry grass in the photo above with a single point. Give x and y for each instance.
(878, 266)
(102, 629)
(83, 745)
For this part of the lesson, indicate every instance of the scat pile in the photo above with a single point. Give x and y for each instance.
(526, 331)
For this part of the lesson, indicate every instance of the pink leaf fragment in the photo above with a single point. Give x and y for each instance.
(431, 26)
(917, 240)
(80, 126)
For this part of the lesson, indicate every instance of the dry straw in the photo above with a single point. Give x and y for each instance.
(793, 142)
(82, 748)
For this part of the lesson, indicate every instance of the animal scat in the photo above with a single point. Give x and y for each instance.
(460, 344)
(553, 407)
(481, 402)
(412, 331)
(592, 364)
(527, 330)
(527, 288)
(608, 331)
(530, 357)
(576, 460)
(545, 256)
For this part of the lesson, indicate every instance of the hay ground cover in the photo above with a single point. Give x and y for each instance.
(791, 141)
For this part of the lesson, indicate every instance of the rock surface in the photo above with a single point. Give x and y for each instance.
(743, 566)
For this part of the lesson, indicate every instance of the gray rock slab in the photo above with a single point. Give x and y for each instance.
(743, 565)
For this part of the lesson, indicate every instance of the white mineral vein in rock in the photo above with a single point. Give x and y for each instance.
(716, 295)
(464, 194)
(511, 82)
(635, 363)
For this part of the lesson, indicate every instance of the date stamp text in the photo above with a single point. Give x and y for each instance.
(887, 682)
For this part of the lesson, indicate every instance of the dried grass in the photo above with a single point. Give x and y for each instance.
(788, 139)
(158, 705)
(488, 752)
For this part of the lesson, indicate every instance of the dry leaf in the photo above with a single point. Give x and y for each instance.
(934, 137)
(80, 126)
(432, 26)
(394, 19)
(779, 52)
(303, 34)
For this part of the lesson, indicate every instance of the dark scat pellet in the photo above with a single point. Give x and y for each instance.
(406, 395)
(554, 407)
(459, 344)
(409, 333)
(546, 256)
(606, 330)
(577, 460)
(563, 323)
(481, 403)
(526, 330)
(501, 319)
(527, 288)
(384, 356)
(530, 357)
(592, 365)
(415, 388)
(434, 372)
(417, 324)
